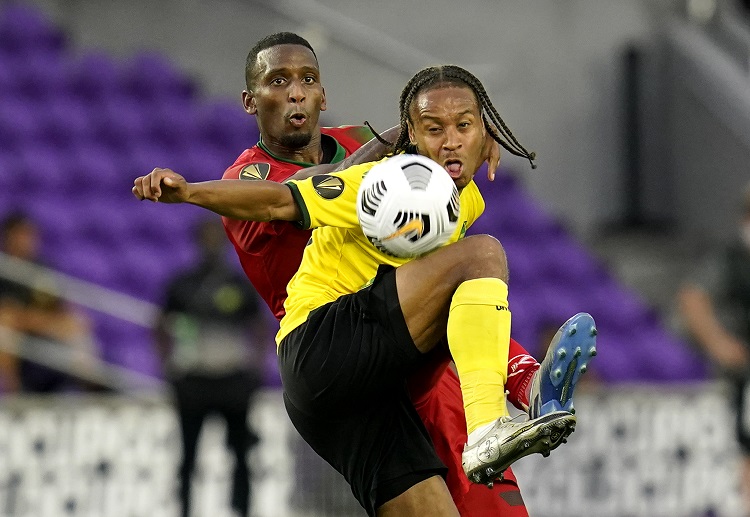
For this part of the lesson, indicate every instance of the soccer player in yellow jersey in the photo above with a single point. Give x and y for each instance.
(357, 321)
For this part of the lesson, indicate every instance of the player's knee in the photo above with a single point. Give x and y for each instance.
(485, 256)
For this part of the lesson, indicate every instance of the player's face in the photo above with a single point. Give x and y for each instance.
(287, 97)
(446, 125)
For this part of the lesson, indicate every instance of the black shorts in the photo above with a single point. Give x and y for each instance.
(344, 375)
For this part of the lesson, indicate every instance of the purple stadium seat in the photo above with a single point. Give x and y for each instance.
(24, 29)
(43, 169)
(173, 125)
(55, 216)
(119, 120)
(10, 170)
(64, 123)
(202, 163)
(617, 360)
(93, 77)
(104, 223)
(42, 78)
(9, 88)
(668, 358)
(151, 77)
(130, 346)
(525, 261)
(19, 123)
(565, 262)
(225, 125)
(87, 261)
(616, 308)
(97, 170)
(646, 354)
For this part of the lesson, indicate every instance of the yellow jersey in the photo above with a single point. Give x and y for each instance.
(339, 259)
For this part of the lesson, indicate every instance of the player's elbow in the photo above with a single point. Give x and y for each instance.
(284, 212)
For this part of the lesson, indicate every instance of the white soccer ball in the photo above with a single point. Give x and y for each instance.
(407, 205)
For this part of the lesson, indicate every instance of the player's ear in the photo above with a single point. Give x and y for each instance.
(323, 105)
(248, 102)
(412, 140)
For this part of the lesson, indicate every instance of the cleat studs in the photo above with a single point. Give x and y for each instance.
(490, 484)
(545, 453)
(573, 330)
(592, 351)
(582, 369)
(572, 410)
(594, 332)
(557, 373)
(561, 353)
(526, 444)
(564, 440)
(577, 353)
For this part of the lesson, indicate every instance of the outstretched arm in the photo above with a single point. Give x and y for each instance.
(246, 200)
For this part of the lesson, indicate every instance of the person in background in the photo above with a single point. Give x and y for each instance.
(35, 319)
(714, 306)
(211, 340)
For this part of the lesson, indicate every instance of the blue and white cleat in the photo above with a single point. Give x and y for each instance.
(567, 359)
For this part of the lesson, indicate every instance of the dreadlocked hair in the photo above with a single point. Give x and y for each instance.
(450, 74)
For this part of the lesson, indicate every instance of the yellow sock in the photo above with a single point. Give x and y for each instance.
(478, 338)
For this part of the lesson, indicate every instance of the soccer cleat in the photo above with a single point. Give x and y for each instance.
(508, 441)
(567, 359)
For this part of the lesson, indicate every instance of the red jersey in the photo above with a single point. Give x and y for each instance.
(270, 253)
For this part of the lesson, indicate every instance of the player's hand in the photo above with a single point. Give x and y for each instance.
(491, 154)
(163, 185)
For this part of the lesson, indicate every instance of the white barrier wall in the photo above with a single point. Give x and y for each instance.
(637, 452)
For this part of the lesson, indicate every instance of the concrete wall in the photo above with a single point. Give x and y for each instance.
(551, 66)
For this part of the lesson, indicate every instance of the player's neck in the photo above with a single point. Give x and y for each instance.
(309, 153)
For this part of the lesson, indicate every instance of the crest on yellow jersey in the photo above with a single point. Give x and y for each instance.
(327, 186)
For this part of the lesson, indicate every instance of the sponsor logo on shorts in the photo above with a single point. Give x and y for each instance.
(255, 171)
(328, 187)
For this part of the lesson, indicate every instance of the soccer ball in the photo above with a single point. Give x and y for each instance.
(407, 205)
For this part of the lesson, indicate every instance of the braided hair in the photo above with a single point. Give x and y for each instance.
(435, 76)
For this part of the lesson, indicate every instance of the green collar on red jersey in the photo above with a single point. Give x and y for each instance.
(339, 155)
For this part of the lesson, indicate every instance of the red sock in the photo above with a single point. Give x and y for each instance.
(521, 368)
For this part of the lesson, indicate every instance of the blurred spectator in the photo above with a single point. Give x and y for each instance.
(33, 318)
(212, 342)
(714, 305)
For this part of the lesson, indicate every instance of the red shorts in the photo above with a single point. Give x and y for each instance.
(436, 393)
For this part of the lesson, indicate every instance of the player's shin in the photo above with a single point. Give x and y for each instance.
(478, 337)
